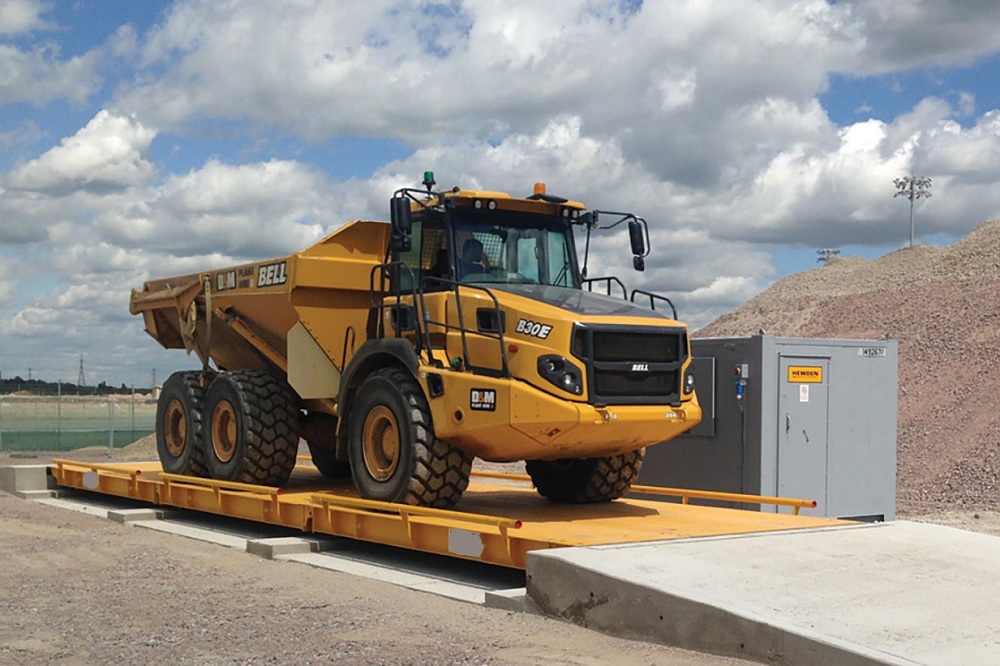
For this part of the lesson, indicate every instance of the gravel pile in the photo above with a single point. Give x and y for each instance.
(943, 305)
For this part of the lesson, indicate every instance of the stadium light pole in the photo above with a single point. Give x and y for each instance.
(912, 188)
(826, 254)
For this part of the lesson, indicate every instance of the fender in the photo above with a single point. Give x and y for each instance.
(372, 355)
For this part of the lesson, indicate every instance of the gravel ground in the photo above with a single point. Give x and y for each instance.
(75, 589)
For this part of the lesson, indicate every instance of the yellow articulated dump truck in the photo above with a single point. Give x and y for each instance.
(466, 327)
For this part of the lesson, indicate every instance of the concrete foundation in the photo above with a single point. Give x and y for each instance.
(26, 481)
(893, 593)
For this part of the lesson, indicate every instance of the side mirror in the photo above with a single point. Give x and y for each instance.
(401, 218)
(638, 263)
(638, 239)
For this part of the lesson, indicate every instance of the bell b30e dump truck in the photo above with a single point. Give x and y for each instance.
(466, 327)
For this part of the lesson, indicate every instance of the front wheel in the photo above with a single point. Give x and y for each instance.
(393, 453)
(251, 429)
(586, 480)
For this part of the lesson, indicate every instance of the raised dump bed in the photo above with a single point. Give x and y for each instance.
(499, 520)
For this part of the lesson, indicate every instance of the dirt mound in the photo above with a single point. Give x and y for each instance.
(943, 305)
(143, 448)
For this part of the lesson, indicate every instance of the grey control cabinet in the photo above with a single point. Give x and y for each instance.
(791, 417)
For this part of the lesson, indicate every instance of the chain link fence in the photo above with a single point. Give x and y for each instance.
(67, 423)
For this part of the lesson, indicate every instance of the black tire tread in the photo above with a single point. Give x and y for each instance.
(586, 480)
(270, 413)
(325, 460)
(194, 396)
(441, 471)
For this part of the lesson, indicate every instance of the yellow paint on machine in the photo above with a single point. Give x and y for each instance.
(496, 522)
(805, 374)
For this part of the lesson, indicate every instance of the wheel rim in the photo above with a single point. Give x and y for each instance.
(175, 428)
(381, 443)
(224, 431)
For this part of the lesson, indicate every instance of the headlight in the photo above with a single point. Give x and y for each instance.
(688, 383)
(561, 373)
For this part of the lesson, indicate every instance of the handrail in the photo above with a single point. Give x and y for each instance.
(349, 335)
(609, 279)
(652, 296)
(685, 494)
(423, 320)
(406, 510)
(385, 272)
(504, 367)
(589, 282)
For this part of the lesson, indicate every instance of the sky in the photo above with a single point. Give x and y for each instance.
(155, 138)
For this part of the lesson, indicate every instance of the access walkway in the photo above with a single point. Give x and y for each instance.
(891, 593)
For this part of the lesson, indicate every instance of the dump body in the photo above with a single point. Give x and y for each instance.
(516, 362)
(253, 303)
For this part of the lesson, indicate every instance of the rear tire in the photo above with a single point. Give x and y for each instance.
(393, 452)
(325, 460)
(251, 429)
(179, 425)
(586, 480)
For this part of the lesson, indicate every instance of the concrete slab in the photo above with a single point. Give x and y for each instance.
(25, 478)
(408, 579)
(79, 507)
(198, 533)
(516, 600)
(34, 494)
(127, 516)
(893, 593)
(276, 547)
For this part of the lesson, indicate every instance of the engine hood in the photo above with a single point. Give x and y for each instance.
(583, 303)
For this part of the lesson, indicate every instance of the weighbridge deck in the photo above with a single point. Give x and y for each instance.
(499, 519)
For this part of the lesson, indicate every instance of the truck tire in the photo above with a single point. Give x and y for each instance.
(251, 429)
(179, 425)
(586, 480)
(393, 452)
(325, 460)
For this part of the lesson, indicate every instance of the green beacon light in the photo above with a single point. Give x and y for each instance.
(429, 180)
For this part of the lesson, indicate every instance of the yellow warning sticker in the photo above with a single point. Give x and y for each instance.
(805, 374)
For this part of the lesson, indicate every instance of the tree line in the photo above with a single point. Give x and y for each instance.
(39, 387)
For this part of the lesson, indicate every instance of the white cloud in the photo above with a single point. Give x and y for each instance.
(9, 278)
(91, 319)
(106, 156)
(479, 69)
(40, 76)
(705, 118)
(904, 34)
(19, 16)
(245, 211)
(701, 95)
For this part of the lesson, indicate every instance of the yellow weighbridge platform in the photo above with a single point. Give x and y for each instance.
(499, 519)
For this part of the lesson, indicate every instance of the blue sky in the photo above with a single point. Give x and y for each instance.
(145, 139)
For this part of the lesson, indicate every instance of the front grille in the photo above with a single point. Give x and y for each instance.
(627, 383)
(647, 347)
(631, 364)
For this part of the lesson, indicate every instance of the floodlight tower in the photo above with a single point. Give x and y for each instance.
(912, 188)
(826, 254)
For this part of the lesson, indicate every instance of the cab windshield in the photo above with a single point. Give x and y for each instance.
(511, 247)
(505, 246)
